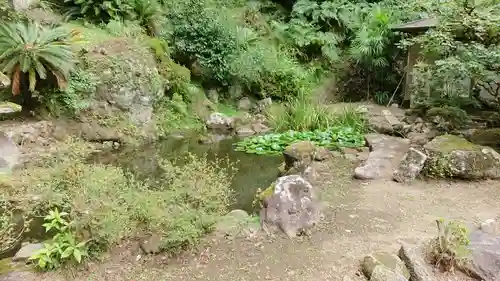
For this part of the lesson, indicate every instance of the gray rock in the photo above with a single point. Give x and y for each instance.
(219, 121)
(20, 5)
(489, 226)
(453, 156)
(244, 104)
(260, 128)
(391, 119)
(151, 244)
(244, 131)
(322, 154)
(27, 251)
(413, 257)
(9, 153)
(385, 155)
(263, 105)
(380, 125)
(236, 223)
(390, 261)
(292, 206)
(419, 139)
(382, 273)
(410, 167)
(20, 276)
(485, 256)
(213, 96)
(298, 156)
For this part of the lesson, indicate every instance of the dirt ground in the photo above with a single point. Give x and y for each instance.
(360, 218)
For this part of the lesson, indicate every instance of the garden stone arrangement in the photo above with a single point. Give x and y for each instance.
(249, 140)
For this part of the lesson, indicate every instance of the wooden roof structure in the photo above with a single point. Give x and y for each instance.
(416, 26)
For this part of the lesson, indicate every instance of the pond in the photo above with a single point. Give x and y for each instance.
(252, 171)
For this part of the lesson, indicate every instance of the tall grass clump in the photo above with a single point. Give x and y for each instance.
(107, 205)
(305, 114)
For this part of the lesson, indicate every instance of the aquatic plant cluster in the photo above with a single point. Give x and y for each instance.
(272, 144)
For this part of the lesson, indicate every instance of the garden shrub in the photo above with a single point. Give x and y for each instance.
(203, 37)
(107, 205)
(76, 97)
(99, 10)
(267, 71)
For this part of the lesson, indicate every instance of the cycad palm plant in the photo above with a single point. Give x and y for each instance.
(29, 51)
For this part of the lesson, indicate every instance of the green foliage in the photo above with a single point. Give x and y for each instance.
(267, 71)
(203, 36)
(175, 114)
(276, 143)
(75, 97)
(100, 10)
(304, 114)
(450, 248)
(29, 52)
(148, 13)
(181, 206)
(123, 28)
(382, 98)
(465, 46)
(64, 246)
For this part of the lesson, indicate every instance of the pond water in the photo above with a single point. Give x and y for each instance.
(253, 171)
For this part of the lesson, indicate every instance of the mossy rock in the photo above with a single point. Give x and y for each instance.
(266, 193)
(128, 84)
(486, 137)
(299, 155)
(390, 261)
(454, 156)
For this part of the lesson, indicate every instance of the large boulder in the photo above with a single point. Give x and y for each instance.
(386, 152)
(410, 167)
(485, 255)
(454, 156)
(290, 204)
(128, 82)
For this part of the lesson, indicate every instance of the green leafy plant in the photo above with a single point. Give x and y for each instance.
(273, 144)
(148, 13)
(450, 248)
(305, 114)
(382, 98)
(203, 38)
(64, 246)
(100, 10)
(29, 52)
(76, 97)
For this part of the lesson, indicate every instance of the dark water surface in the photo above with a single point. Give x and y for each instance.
(253, 171)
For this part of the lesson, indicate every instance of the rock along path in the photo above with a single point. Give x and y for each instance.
(360, 218)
